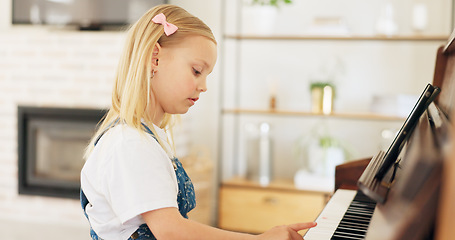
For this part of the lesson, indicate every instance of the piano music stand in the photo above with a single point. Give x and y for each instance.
(379, 175)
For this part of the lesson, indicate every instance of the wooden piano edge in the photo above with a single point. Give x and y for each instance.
(445, 220)
(446, 211)
(347, 174)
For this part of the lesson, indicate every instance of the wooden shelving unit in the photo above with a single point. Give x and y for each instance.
(276, 184)
(341, 37)
(247, 51)
(359, 116)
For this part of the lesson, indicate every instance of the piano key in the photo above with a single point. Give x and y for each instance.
(355, 222)
(357, 225)
(331, 215)
(353, 228)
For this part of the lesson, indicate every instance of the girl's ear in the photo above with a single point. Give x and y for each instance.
(156, 54)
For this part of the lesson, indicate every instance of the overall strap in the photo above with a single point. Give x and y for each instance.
(174, 160)
(111, 125)
(148, 130)
(114, 123)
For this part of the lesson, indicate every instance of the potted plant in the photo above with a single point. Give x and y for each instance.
(274, 3)
(259, 16)
(322, 94)
(317, 154)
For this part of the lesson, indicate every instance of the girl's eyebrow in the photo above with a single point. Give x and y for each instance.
(203, 62)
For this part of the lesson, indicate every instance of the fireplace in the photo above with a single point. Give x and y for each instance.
(51, 142)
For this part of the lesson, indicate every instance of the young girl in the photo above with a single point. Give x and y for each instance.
(132, 186)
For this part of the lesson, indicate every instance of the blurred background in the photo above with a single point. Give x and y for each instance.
(300, 86)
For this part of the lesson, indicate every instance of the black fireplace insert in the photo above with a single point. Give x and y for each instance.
(51, 143)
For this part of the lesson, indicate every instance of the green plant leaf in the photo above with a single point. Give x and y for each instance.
(275, 3)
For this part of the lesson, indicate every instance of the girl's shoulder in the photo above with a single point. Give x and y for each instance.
(126, 140)
(124, 136)
(126, 132)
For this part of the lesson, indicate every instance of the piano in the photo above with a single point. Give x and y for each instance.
(414, 198)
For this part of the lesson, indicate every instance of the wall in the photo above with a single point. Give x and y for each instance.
(59, 67)
(43, 67)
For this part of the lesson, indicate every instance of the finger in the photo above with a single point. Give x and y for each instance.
(295, 236)
(300, 226)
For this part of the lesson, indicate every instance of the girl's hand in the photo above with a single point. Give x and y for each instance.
(286, 232)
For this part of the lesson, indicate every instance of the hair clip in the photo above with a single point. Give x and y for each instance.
(169, 28)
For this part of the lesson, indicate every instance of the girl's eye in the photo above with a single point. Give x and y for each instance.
(196, 71)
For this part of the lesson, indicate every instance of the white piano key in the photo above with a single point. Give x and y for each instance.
(331, 215)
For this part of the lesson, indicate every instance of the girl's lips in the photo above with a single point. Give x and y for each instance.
(193, 100)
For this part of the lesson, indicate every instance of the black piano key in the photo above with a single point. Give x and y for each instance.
(357, 212)
(341, 235)
(353, 227)
(355, 222)
(352, 230)
(360, 226)
(344, 238)
(355, 219)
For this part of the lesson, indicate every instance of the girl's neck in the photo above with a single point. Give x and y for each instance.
(157, 123)
(155, 116)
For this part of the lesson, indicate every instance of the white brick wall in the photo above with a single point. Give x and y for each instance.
(65, 68)
(44, 67)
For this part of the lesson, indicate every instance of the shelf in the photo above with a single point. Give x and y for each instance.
(341, 37)
(356, 116)
(277, 184)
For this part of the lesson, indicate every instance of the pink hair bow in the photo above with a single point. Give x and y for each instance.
(169, 28)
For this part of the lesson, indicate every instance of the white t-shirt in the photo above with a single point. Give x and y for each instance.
(127, 174)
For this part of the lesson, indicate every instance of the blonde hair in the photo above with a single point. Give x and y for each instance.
(132, 92)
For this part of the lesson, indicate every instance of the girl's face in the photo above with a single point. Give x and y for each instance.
(180, 75)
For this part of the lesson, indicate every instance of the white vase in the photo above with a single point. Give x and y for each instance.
(258, 20)
(386, 23)
(323, 160)
(419, 17)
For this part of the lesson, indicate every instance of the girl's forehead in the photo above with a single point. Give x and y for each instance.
(196, 48)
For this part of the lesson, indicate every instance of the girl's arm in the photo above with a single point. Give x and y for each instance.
(167, 223)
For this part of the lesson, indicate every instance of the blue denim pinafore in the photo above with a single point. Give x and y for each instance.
(186, 198)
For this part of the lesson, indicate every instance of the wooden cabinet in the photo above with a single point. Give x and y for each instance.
(246, 206)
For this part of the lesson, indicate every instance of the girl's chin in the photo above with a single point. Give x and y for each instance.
(180, 111)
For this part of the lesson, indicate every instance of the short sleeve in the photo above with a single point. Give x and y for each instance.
(140, 178)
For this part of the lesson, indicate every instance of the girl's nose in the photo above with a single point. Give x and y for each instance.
(202, 86)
